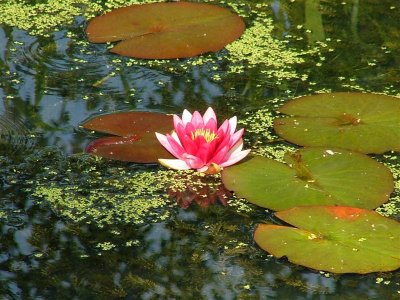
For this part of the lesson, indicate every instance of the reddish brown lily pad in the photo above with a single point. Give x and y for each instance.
(130, 123)
(135, 139)
(337, 239)
(166, 30)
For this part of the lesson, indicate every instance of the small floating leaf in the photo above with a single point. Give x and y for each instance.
(334, 238)
(367, 123)
(312, 176)
(135, 139)
(166, 30)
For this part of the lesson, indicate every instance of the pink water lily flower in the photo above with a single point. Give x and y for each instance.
(199, 144)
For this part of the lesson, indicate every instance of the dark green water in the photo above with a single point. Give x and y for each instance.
(49, 85)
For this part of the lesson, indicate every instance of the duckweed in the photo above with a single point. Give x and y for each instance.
(43, 18)
(392, 208)
(258, 48)
(119, 195)
(259, 132)
(106, 246)
(101, 206)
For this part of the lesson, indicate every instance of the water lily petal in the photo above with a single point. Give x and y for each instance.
(211, 125)
(193, 161)
(176, 146)
(203, 169)
(177, 121)
(237, 147)
(180, 131)
(224, 140)
(189, 145)
(225, 127)
(211, 148)
(186, 117)
(209, 115)
(176, 164)
(234, 158)
(197, 120)
(189, 128)
(175, 136)
(232, 123)
(236, 137)
(233, 151)
(219, 155)
(204, 149)
(164, 141)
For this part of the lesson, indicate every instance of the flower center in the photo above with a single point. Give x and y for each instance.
(208, 135)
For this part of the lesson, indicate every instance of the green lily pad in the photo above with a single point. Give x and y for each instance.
(367, 123)
(166, 30)
(134, 140)
(311, 176)
(337, 239)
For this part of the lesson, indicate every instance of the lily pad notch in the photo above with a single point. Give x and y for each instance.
(166, 30)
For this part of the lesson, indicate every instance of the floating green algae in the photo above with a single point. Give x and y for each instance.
(125, 197)
(107, 205)
(258, 125)
(43, 18)
(258, 48)
(85, 189)
(392, 208)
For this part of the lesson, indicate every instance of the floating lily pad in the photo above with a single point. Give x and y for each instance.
(312, 176)
(337, 239)
(367, 123)
(131, 123)
(166, 30)
(135, 139)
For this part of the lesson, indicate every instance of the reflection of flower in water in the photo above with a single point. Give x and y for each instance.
(199, 144)
(191, 187)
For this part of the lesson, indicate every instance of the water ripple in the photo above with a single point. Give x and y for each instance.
(14, 134)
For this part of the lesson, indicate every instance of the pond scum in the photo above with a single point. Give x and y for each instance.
(256, 48)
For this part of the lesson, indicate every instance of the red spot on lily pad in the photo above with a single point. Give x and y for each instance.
(345, 212)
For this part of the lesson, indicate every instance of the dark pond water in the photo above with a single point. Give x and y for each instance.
(50, 84)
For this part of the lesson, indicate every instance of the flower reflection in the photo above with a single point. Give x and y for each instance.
(200, 189)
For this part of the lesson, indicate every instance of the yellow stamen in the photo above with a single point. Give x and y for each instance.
(208, 135)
